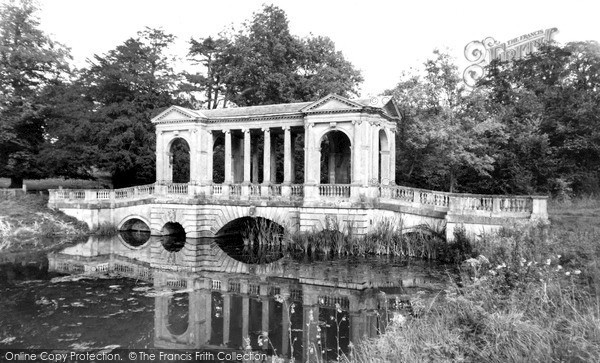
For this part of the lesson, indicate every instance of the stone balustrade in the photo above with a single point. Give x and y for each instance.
(457, 203)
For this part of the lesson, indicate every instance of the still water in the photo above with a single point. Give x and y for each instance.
(133, 291)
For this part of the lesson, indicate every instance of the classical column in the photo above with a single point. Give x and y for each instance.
(226, 317)
(247, 148)
(267, 156)
(245, 316)
(228, 163)
(287, 156)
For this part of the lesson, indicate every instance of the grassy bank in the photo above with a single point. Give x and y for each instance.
(26, 224)
(532, 296)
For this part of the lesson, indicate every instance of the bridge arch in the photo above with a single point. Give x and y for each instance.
(129, 223)
(278, 215)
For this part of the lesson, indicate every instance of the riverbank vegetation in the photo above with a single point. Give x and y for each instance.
(528, 294)
(26, 224)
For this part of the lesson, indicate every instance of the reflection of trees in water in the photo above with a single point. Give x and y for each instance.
(251, 254)
(178, 313)
(135, 238)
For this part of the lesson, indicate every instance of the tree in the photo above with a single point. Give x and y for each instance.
(129, 85)
(550, 105)
(29, 61)
(264, 63)
(441, 142)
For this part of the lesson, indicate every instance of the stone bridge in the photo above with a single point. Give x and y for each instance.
(306, 166)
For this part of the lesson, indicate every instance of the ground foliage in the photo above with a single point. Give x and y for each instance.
(526, 294)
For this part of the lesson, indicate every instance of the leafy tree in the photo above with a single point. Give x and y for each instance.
(29, 61)
(264, 64)
(550, 105)
(441, 142)
(129, 85)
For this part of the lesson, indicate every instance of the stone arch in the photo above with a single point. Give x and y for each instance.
(335, 159)
(218, 157)
(384, 157)
(123, 224)
(179, 150)
(230, 213)
(134, 232)
(172, 215)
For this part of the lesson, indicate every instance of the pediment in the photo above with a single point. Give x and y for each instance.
(331, 103)
(177, 114)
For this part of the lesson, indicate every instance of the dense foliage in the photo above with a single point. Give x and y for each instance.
(530, 126)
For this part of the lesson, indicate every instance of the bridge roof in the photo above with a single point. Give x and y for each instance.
(331, 102)
(276, 109)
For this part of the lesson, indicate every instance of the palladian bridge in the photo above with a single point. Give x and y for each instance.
(305, 166)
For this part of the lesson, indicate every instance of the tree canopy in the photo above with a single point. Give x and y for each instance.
(29, 61)
(263, 63)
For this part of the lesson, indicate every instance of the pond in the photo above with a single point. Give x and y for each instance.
(134, 291)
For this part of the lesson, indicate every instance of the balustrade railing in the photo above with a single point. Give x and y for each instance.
(216, 189)
(297, 190)
(235, 190)
(255, 190)
(334, 190)
(275, 190)
(462, 203)
(177, 188)
(103, 194)
(458, 201)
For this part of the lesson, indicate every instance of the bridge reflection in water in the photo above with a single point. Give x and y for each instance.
(207, 299)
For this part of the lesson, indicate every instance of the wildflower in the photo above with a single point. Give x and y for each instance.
(577, 272)
(567, 273)
(399, 319)
(558, 256)
(529, 263)
(558, 268)
(548, 261)
(492, 272)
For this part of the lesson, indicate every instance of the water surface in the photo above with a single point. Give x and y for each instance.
(136, 291)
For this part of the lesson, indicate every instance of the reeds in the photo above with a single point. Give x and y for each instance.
(533, 297)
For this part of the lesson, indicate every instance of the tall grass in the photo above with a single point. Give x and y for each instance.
(529, 293)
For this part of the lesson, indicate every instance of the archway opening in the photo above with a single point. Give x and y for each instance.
(178, 313)
(135, 232)
(180, 160)
(173, 238)
(384, 159)
(218, 161)
(336, 156)
(253, 240)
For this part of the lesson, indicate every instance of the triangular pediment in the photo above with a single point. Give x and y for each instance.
(332, 102)
(177, 114)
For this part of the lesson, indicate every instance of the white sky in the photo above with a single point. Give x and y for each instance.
(381, 38)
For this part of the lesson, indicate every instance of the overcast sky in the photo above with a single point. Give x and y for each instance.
(381, 38)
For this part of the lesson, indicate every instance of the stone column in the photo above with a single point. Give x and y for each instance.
(226, 317)
(247, 148)
(288, 163)
(264, 189)
(267, 157)
(312, 164)
(287, 156)
(228, 163)
(392, 144)
(385, 166)
(245, 316)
